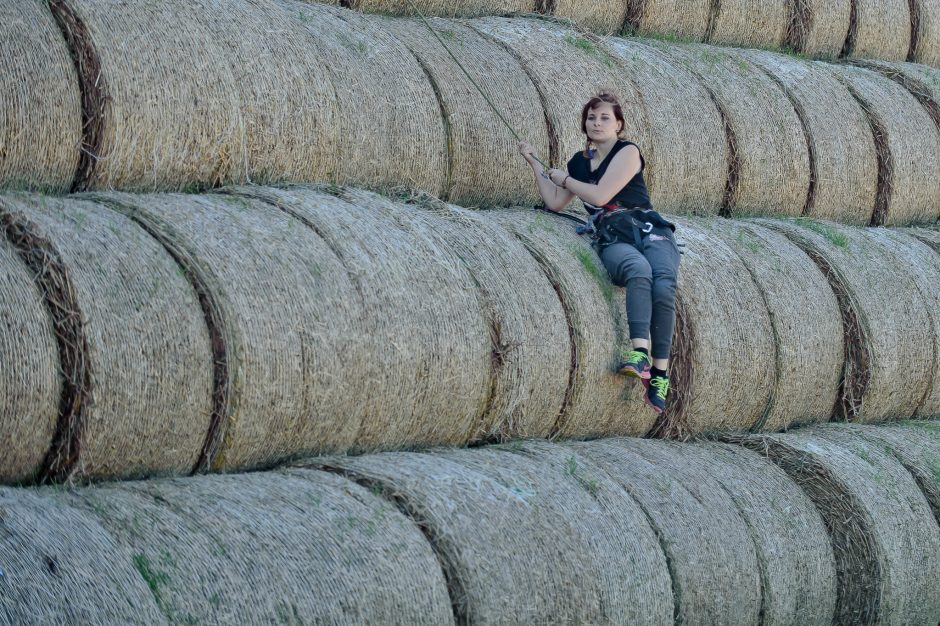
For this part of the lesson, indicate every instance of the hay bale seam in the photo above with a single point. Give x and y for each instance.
(750, 23)
(683, 19)
(820, 27)
(879, 29)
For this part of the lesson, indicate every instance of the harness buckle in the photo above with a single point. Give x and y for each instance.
(648, 229)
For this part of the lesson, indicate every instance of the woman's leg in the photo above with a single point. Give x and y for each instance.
(663, 257)
(628, 268)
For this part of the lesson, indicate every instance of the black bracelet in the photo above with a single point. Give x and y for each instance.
(564, 183)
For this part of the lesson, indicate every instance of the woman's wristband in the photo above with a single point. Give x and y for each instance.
(564, 183)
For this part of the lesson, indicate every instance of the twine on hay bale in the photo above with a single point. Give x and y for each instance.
(923, 82)
(794, 555)
(819, 27)
(420, 346)
(683, 123)
(888, 333)
(29, 382)
(298, 547)
(728, 343)
(750, 23)
(770, 167)
(61, 567)
(540, 534)
(878, 29)
(843, 162)
(139, 399)
(886, 542)
(41, 121)
(385, 98)
(483, 165)
(908, 145)
(711, 557)
(530, 362)
(597, 401)
(681, 18)
(805, 319)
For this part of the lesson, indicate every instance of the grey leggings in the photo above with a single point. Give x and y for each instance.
(650, 279)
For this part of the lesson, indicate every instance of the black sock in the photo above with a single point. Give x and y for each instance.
(643, 350)
(655, 371)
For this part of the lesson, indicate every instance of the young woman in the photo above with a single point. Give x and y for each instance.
(635, 242)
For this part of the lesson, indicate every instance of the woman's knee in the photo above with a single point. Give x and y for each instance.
(664, 290)
(624, 263)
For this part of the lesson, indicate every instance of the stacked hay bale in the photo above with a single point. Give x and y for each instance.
(483, 165)
(908, 147)
(528, 533)
(925, 41)
(769, 163)
(794, 555)
(750, 23)
(133, 343)
(889, 337)
(804, 317)
(842, 159)
(819, 27)
(41, 119)
(605, 17)
(465, 8)
(879, 29)
(597, 401)
(724, 342)
(886, 542)
(682, 19)
(923, 82)
(679, 178)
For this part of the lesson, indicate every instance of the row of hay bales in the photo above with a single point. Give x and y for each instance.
(170, 333)
(378, 102)
(833, 524)
(892, 30)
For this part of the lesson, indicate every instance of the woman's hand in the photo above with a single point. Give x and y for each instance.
(557, 176)
(527, 151)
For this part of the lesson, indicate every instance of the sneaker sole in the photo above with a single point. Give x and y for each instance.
(651, 405)
(632, 373)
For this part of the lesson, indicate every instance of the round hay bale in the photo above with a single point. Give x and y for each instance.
(464, 8)
(723, 353)
(925, 42)
(908, 145)
(888, 334)
(419, 363)
(391, 130)
(287, 321)
(843, 162)
(147, 357)
(711, 557)
(751, 23)
(804, 317)
(794, 556)
(819, 27)
(597, 401)
(878, 29)
(282, 547)
(59, 566)
(681, 18)
(530, 362)
(546, 51)
(605, 17)
(923, 82)
(29, 382)
(770, 170)
(683, 124)
(886, 542)
(483, 166)
(41, 118)
(528, 533)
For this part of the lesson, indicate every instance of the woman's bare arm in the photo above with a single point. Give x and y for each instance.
(623, 167)
(554, 197)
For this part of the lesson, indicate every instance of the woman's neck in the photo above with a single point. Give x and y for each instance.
(604, 148)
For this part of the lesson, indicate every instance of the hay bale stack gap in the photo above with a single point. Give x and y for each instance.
(686, 20)
(879, 29)
(818, 28)
(750, 23)
(923, 82)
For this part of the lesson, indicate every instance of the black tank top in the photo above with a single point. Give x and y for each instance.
(633, 195)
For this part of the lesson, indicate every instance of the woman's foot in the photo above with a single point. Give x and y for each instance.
(637, 365)
(656, 390)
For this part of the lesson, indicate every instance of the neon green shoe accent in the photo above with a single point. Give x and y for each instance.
(661, 383)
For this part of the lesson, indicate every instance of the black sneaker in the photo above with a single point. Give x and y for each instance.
(636, 365)
(656, 390)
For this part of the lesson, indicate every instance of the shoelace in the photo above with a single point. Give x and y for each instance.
(662, 386)
(636, 357)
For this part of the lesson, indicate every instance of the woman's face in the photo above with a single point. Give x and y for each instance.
(601, 125)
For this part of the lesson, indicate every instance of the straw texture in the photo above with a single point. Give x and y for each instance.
(769, 172)
(61, 567)
(483, 164)
(148, 347)
(886, 542)
(820, 27)
(750, 23)
(908, 146)
(528, 533)
(597, 401)
(389, 126)
(711, 556)
(548, 51)
(421, 345)
(465, 8)
(794, 556)
(805, 319)
(684, 19)
(41, 119)
(284, 547)
(843, 162)
(926, 46)
(29, 362)
(605, 17)
(888, 333)
(724, 341)
(684, 141)
(530, 358)
(923, 82)
(879, 29)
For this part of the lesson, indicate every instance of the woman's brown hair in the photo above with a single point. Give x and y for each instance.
(602, 97)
